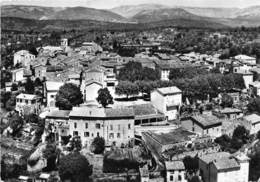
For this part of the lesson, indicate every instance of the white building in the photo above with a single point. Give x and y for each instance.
(23, 57)
(253, 122)
(50, 91)
(18, 75)
(168, 101)
(175, 171)
(27, 103)
(246, 59)
(221, 167)
(114, 125)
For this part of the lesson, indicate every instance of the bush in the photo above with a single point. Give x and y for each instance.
(98, 145)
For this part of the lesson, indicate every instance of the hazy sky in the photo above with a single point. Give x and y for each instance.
(106, 4)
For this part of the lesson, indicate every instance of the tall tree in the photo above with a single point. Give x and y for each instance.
(29, 86)
(104, 97)
(127, 88)
(69, 95)
(74, 167)
(98, 145)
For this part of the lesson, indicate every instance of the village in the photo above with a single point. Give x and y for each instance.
(82, 113)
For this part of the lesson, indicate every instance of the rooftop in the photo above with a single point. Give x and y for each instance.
(226, 164)
(174, 165)
(27, 96)
(144, 109)
(255, 84)
(214, 156)
(241, 56)
(206, 121)
(174, 136)
(229, 110)
(168, 90)
(53, 86)
(253, 118)
(58, 114)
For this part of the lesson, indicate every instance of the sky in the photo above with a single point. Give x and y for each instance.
(107, 4)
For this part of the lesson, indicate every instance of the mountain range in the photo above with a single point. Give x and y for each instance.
(137, 15)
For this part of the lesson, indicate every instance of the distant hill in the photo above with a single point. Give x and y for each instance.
(46, 13)
(129, 11)
(250, 13)
(163, 14)
(213, 12)
(20, 24)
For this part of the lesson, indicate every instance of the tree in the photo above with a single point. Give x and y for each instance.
(98, 145)
(126, 88)
(74, 167)
(75, 144)
(37, 82)
(10, 104)
(69, 95)
(226, 101)
(191, 163)
(29, 86)
(254, 105)
(15, 123)
(104, 97)
(240, 137)
(50, 153)
(14, 87)
(33, 51)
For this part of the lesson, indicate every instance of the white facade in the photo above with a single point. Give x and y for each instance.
(94, 122)
(255, 88)
(51, 89)
(165, 74)
(175, 171)
(253, 121)
(246, 59)
(23, 57)
(167, 102)
(27, 101)
(91, 91)
(17, 75)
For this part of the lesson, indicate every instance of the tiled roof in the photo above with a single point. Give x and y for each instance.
(226, 164)
(119, 112)
(87, 112)
(206, 120)
(230, 110)
(58, 114)
(174, 165)
(169, 90)
(253, 118)
(214, 156)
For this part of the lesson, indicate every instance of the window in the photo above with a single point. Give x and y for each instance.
(98, 126)
(92, 134)
(86, 125)
(52, 96)
(129, 126)
(111, 127)
(119, 127)
(86, 134)
(111, 135)
(171, 178)
(26, 101)
(75, 125)
(118, 135)
(33, 101)
(179, 177)
(97, 134)
(75, 133)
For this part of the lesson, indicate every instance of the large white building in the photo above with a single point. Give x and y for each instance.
(253, 121)
(168, 101)
(114, 125)
(23, 57)
(246, 59)
(18, 75)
